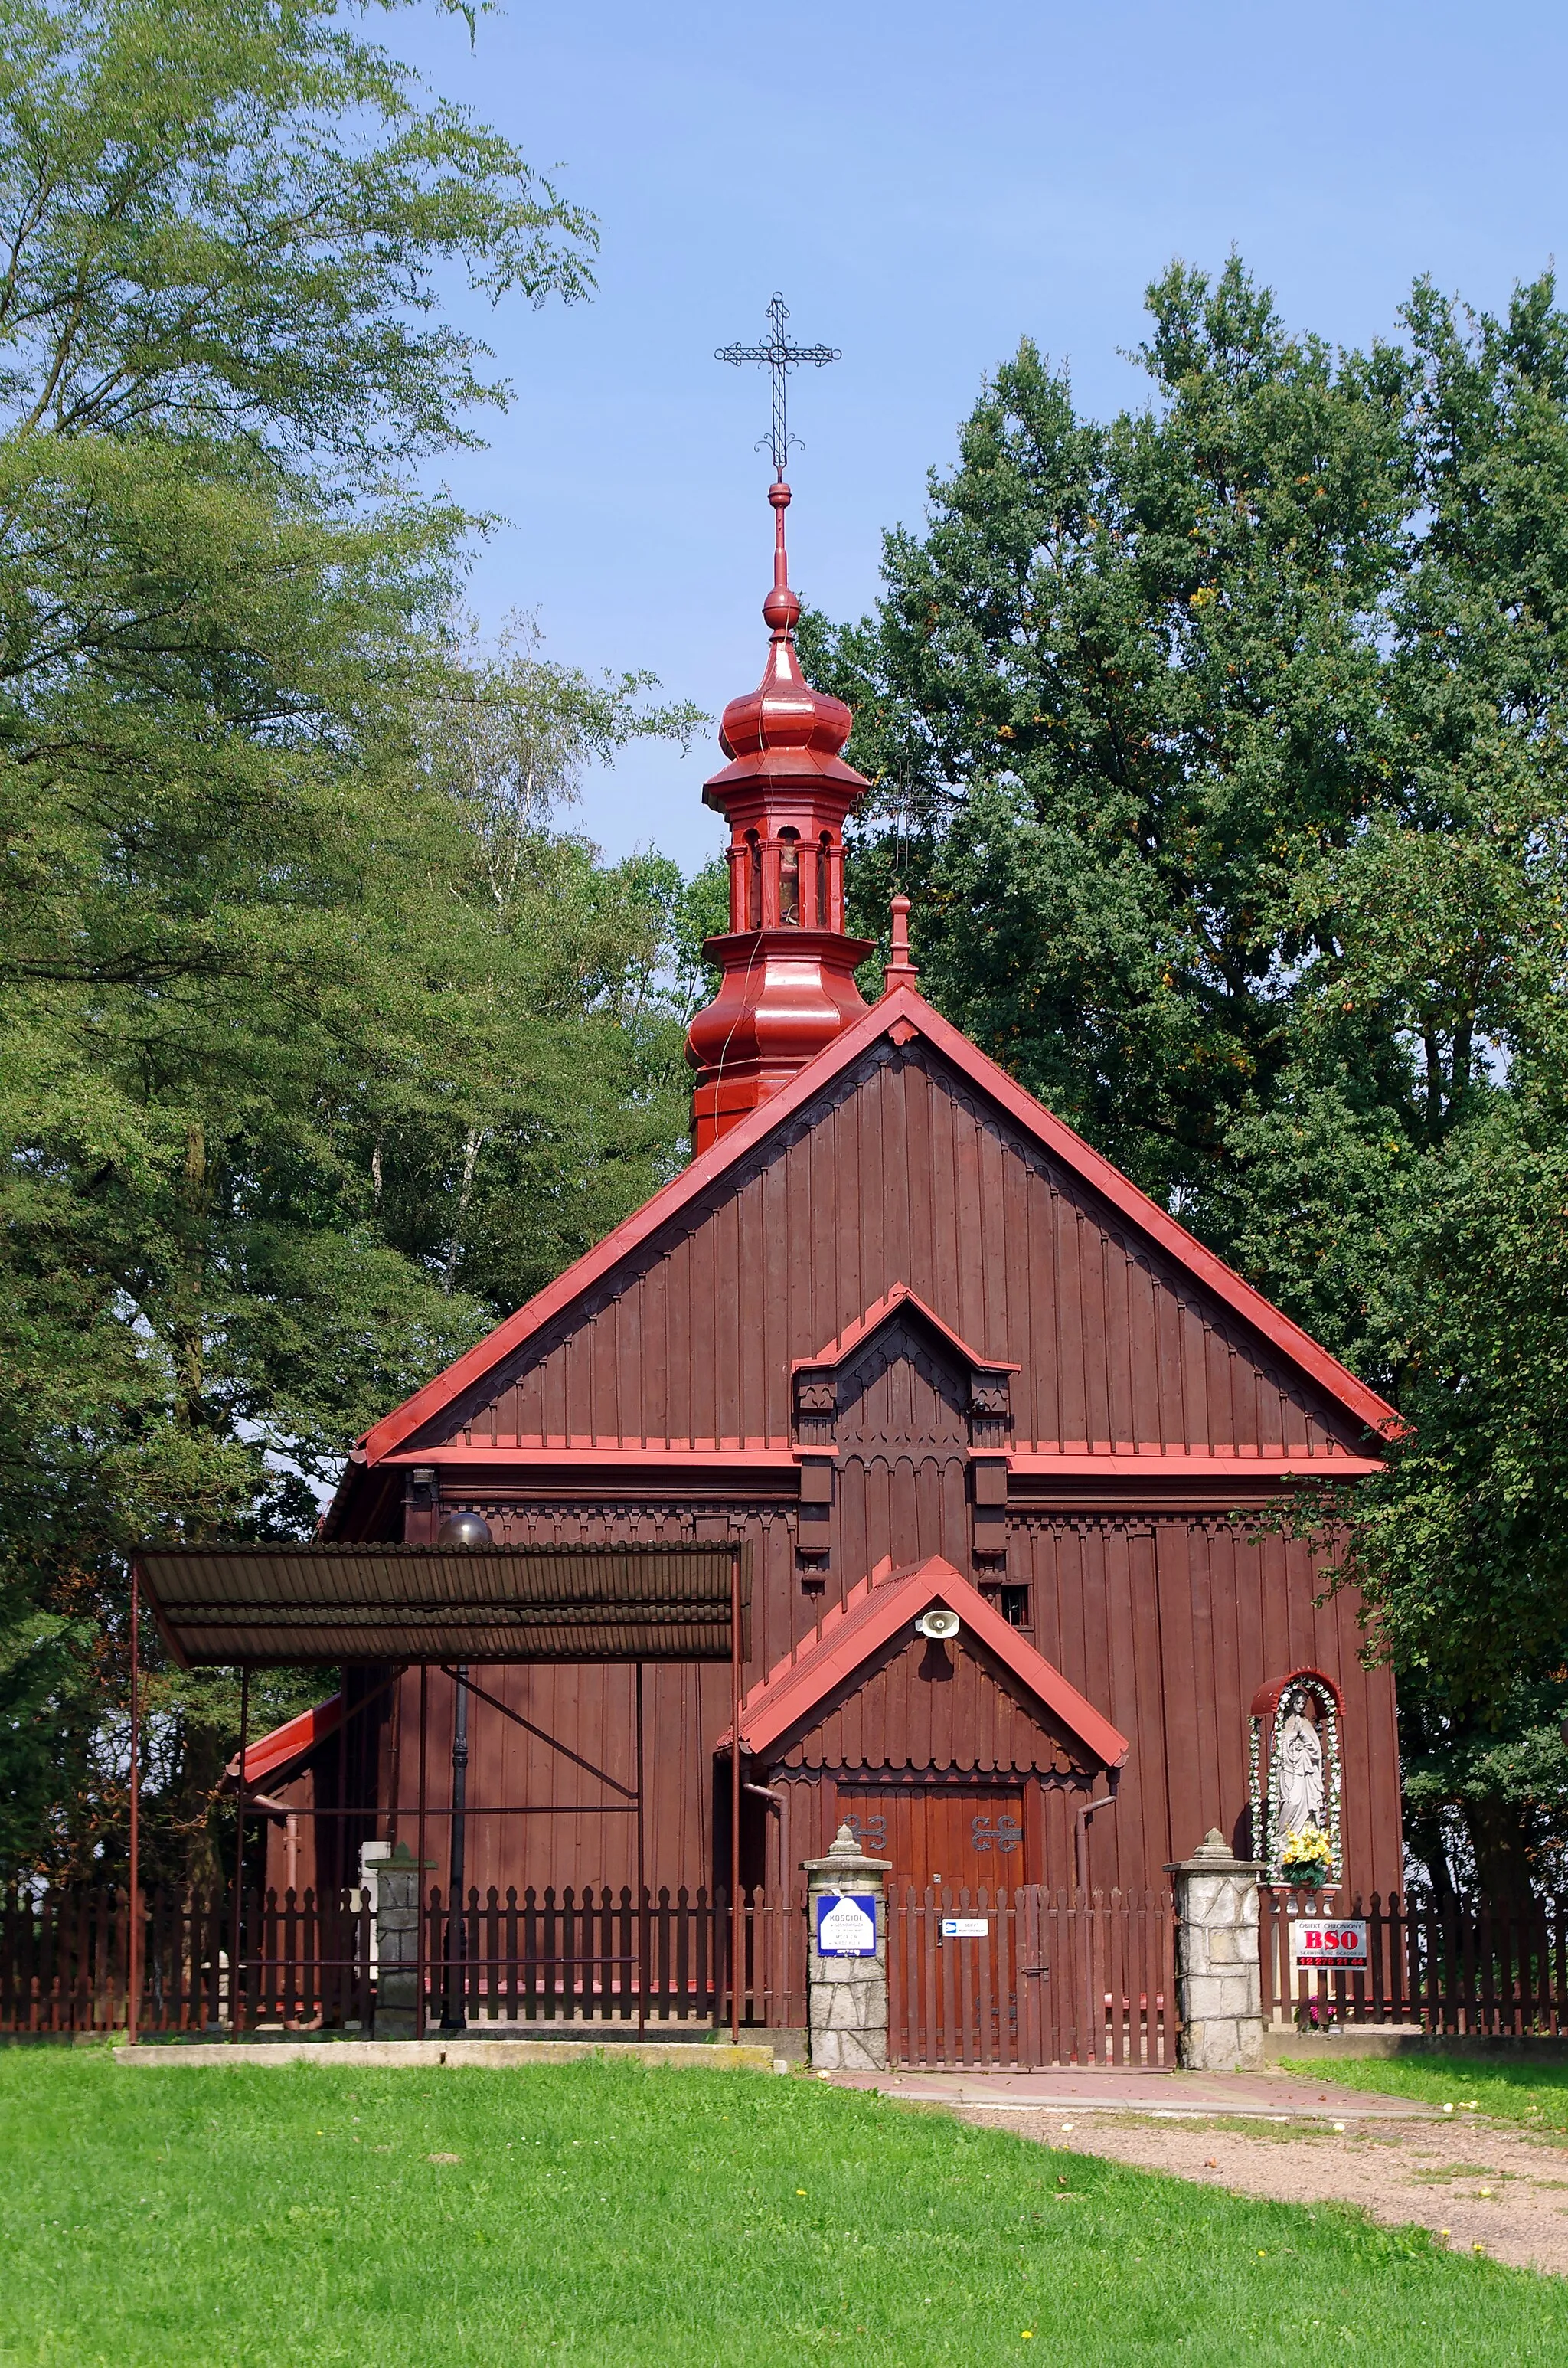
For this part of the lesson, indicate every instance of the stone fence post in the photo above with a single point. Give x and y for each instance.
(847, 1994)
(1219, 1980)
(397, 1943)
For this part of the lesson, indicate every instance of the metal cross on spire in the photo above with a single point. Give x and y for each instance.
(782, 358)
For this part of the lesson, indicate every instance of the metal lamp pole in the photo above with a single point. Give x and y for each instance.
(454, 2016)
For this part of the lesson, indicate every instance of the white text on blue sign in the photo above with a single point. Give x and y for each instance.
(846, 1924)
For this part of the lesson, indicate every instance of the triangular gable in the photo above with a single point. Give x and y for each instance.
(897, 1301)
(901, 1014)
(869, 1617)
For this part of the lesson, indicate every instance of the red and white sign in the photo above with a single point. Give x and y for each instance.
(1340, 1943)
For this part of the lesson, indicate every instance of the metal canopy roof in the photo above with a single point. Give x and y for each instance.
(275, 1606)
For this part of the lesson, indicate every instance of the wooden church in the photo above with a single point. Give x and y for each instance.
(992, 1430)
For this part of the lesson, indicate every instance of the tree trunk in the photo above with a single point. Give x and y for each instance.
(1501, 1844)
(1424, 1840)
(473, 1144)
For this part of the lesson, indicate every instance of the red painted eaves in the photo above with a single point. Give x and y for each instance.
(904, 1008)
(528, 1455)
(290, 1741)
(869, 1616)
(1179, 1464)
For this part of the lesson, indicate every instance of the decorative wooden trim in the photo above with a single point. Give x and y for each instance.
(1182, 1463)
(883, 1311)
(771, 1455)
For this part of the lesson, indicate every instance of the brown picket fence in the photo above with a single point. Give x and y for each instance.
(62, 1960)
(1485, 1972)
(1058, 1978)
(1055, 1977)
(595, 1955)
(306, 1962)
(309, 1962)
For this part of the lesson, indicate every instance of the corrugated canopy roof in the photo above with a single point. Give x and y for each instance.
(281, 1605)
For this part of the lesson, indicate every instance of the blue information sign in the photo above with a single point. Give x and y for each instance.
(846, 1924)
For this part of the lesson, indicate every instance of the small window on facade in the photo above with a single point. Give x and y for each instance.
(1013, 1603)
(789, 879)
(754, 881)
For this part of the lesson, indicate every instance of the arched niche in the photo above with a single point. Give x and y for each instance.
(1278, 1764)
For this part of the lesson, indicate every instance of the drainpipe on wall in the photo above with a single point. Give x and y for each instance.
(1080, 1831)
(1092, 2036)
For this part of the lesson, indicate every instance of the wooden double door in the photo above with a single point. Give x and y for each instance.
(961, 1859)
(948, 1837)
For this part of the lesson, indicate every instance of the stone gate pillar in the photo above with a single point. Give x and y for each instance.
(1219, 1980)
(847, 1994)
(397, 1943)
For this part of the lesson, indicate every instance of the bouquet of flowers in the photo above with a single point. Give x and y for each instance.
(1306, 1858)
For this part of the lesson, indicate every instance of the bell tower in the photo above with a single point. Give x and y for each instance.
(788, 969)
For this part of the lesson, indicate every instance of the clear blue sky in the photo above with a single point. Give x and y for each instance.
(926, 183)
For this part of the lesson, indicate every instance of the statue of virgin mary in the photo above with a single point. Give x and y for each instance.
(1297, 1762)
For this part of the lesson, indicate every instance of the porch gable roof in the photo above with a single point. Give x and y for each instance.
(869, 1616)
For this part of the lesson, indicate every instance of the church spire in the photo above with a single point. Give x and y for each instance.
(788, 969)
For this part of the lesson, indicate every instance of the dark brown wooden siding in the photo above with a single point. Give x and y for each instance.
(901, 1176)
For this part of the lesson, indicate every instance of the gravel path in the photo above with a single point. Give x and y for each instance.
(1479, 2184)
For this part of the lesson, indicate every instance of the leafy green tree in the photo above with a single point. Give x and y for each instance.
(559, 1102)
(258, 993)
(229, 221)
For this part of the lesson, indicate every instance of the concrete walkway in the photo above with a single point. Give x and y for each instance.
(1162, 2096)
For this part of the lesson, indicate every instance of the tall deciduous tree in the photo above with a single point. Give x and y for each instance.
(272, 1032)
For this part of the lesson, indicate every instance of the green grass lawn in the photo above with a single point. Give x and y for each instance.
(1512, 2087)
(604, 2214)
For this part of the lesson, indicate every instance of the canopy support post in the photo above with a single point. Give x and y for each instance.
(454, 2010)
(420, 1900)
(641, 1879)
(735, 1796)
(133, 1910)
(236, 2001)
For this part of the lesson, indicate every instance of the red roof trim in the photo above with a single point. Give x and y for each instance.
(290, 1741)
(906, 1006)
(529, 1455)
(1180, 1461)
(1198, 1463)
(869, 1617)
(901, 1295)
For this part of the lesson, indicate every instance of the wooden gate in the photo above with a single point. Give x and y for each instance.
(1030, 1977)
